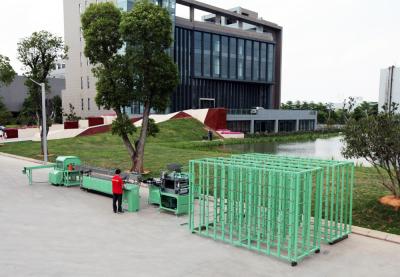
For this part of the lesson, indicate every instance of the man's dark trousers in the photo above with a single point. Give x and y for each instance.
(117, 198)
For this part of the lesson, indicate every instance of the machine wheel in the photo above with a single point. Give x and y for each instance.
(294, 263)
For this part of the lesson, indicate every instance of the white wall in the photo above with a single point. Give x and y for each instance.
(387, 96)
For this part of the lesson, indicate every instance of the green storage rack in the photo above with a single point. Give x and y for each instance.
(337, 198)
(266, 209)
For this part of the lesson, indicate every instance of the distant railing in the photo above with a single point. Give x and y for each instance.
(239, 111)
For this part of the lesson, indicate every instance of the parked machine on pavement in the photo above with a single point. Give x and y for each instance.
(66, 172)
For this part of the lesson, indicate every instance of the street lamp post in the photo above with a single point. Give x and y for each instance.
(44, 120)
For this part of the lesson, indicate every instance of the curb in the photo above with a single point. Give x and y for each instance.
(21, 158)
(393, 238)
(376, 234)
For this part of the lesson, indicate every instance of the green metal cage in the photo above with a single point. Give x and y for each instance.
(337, 189)
(269, 209)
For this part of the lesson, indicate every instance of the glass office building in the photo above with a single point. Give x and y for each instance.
(220, 66)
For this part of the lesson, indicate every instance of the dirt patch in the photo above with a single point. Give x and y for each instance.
(390, 200)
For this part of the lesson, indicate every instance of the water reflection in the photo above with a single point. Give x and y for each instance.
(320, 148)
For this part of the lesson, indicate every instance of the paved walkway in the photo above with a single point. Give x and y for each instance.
(58, 231)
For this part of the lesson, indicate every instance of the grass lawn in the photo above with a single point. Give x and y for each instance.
(180, 140)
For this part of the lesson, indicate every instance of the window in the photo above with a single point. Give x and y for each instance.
(206, 54)
(81, 34)
(270, 77)
(216, 52)
(232, 58)
(80, 8)
(86, 3)
(80, 58)
(88, 82)
(263, 63)
(88, 104)
(224, 57)
(63, 65)
(248, 59)
(197, 53)
(82, 104)
(240, 58)
(81, 82)
(256, 60)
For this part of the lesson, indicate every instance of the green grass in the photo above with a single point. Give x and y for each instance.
(367, 211)
(106, 150)
(180, 140)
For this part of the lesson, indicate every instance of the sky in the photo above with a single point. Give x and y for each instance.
(332, 49)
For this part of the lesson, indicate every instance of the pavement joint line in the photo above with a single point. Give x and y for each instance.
(379, 235)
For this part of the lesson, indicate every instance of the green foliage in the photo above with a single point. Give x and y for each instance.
(38, 54)
(376, 139)
(152, 128)
(142, 71)
(27, 115)
(100, 25)
(5, 115)
(57, 111)
(147, 30)
(122, 125)
(71, 116)
(328, 115)
(7, 73)
(114, 84)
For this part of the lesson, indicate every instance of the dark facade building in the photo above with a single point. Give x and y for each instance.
(231, 60)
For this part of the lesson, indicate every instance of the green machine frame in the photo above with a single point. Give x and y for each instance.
(28, 170)
(154, 197)
(337, 198)
(175, 203)
(268, 209)
(62, 175)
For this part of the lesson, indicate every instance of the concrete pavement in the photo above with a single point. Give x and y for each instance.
(58, 231)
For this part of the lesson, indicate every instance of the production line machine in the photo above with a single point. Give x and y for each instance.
(170, 191)
(99, 180)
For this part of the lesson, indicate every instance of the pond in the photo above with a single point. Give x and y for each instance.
(329, 148)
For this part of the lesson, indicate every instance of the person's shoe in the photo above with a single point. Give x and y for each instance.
(120, 212)
(115, 212)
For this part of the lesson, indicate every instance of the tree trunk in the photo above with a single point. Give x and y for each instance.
(138, 161)
(126, 141)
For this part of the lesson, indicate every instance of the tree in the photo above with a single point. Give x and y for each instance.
(100, 25)
(57, 111)
(27, 115)
(5, 115)
(376, 139)
(38, 54)
(143, 72)
(71, 116)
(147, 30)
(7, 73)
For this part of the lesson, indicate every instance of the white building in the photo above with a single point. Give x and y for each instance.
(59, 71)
(389, 87)
(80, 90)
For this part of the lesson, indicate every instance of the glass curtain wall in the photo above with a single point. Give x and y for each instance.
(232, 58)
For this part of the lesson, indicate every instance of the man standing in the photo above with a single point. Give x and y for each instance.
(117, 187)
